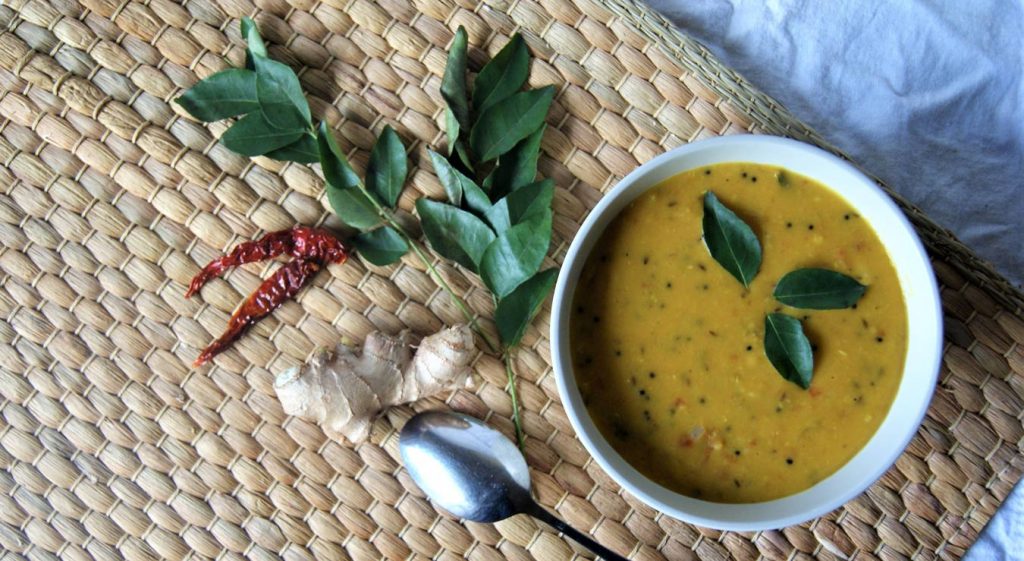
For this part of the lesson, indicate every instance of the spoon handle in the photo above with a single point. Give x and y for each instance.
(583, 539)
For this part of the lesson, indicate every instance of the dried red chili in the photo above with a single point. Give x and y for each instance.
(301, 242)
(311, 248)
(280, 286)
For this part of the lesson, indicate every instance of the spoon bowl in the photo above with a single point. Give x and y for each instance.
(475, 473)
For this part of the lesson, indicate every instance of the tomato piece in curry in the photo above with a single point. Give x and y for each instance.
(668, 351)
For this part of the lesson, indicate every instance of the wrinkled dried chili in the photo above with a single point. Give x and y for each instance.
(301, 242)
(280, 286)
(312, 250)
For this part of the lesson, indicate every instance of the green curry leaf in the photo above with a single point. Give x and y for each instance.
(304, 151)
(818, 289)
(457, 186)
(382, 246)
(454, 233)
(280, 95)
(352, 207)
(386, 171)
(344, 190)
(451, 179)
(518, 166)
(502, 76)
(730, 240)
(453, 86)
(788, 349)
(516, 254)
(255, 43)
(475, 198)
(515, 311)
(463, 153)
(502, 126)
(228, 93)
(520, 205)
(336, 168)
(252, 135)
(452, 129)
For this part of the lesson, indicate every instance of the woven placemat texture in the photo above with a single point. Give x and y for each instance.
(110, 199)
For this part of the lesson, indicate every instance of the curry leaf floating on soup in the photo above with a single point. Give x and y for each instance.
(668, 348)
(788, 349)
(730, 240)
(818, 289)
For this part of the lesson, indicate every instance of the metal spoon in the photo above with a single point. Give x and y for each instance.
(474, 472)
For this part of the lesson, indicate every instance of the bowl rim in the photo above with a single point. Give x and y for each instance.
(754, 516)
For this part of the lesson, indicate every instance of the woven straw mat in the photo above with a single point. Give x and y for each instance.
(111, 446)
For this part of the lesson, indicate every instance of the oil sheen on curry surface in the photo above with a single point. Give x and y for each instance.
(668, 347)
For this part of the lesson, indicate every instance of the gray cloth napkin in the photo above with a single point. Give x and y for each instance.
(926, 95)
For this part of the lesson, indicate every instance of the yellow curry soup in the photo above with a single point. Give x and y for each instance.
(668, 351)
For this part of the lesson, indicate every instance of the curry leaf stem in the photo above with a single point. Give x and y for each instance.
(514, 394)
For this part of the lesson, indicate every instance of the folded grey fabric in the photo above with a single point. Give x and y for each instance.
(925, 95)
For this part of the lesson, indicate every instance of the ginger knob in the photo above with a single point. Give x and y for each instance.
(344, 390)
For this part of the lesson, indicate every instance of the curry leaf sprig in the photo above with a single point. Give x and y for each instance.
(500, 225)
(276, 122)
(734, 245)
(497, 222)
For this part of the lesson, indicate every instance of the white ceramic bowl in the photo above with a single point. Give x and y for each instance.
(920, 291)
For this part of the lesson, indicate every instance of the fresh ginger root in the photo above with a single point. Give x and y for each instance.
(345, 390)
